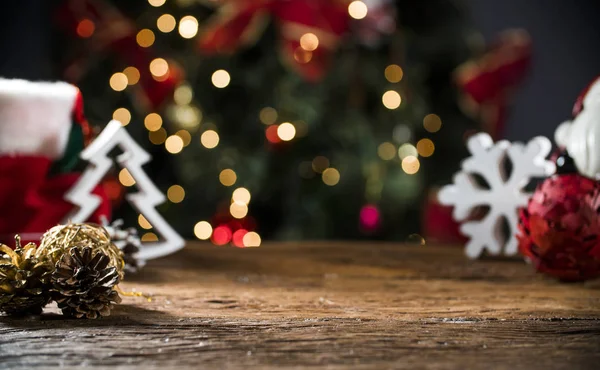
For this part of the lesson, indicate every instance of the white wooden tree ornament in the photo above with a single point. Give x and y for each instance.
(505, 194)
(144, 201)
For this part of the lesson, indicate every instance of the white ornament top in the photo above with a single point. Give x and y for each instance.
(35, 117)
(505, 194)
(581, 136)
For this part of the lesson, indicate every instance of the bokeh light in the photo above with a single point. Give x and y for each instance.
(144, 224)
(122, 115)
(369, 217)
(406, 150)
(238, 210)
(241, 195)
(156, 3)
(221, 78)
(175, 194)
(425, 147)
(227, 177)
(159, 67)
(209, 139)
(166, 23)
(183, 94)
(320, 164)
(302, 56)
(185, 136)
(203, 230)
(394, 73)
(125, 178)
(238, 238)
(271, 134)
(221, 235)
(145, 38)
(268, 115)
(85, 28)
(386, 151)
(133, 75)
(411, 165)
(286, 131)
(391, 99)
(188, 27)
(357, 9)
(309, 41)
(331, 176)
(252, 239)
(158, 137)
(174, 144)
(118, 81)
(153, 122)
(432, 123)
(149, 237)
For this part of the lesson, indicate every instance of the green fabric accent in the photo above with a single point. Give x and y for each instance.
(71, 157)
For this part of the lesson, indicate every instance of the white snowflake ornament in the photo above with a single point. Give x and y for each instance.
(505, 194)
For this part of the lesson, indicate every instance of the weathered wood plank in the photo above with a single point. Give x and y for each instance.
(324, 304)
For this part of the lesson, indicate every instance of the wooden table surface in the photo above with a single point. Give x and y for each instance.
(334, 305)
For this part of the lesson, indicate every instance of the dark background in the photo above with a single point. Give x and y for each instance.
(565, 33)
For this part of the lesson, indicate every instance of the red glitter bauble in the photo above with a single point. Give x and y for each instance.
(560, 228)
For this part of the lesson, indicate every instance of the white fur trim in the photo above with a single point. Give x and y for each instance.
(35, 117)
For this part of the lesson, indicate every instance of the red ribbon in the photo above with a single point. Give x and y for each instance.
(488, 80)
(239, 23)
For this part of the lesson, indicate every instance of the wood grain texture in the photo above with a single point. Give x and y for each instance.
(334, 305)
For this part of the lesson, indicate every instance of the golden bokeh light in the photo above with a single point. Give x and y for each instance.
(432, 123)
(149, 237)
(411, 165)
(386, 151)
(406, 150)
(227, 177)
(153, 122)
(241, 195)
(159, 67)
(221, 78)
(357, 9)
(145, 38)
(175, 194)
(157, 137)
(309, 42)
(118, 81)
(320, 163)
(144, 224)
(133, 75)
(391, 99)
(268, 115)
(302, 56)
(209, 139)
(331, 176)
(393, 73)
(188, 27)
(203, 230)
(185, 136)
(166, 23)
(425, 147)
(125, 178)
(156, 3)
(183, 94)
(174, 144)
(286, 131)
(122, 115)
(238, 210)
(251, 239)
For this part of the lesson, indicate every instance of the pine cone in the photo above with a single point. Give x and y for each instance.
(83, 283)
(23, 280)
(128, 241)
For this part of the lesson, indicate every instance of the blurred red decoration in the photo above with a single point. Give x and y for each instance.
(239, 23)
(560, 228)
(107, 31)
(489, 80)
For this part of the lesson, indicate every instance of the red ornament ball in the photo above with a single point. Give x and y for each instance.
(560, 228)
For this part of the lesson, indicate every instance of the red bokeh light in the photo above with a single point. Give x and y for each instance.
(238, 238)
(271, 134)
(221, 235)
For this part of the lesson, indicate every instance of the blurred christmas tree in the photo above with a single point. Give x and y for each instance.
(297, 119)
